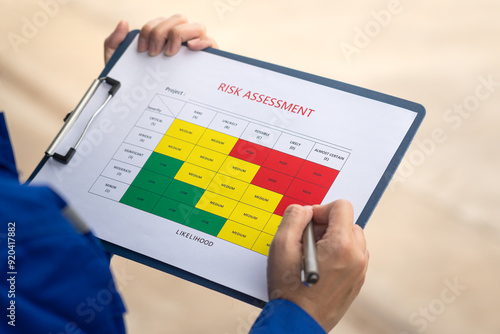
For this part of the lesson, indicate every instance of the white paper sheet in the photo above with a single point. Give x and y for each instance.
(228, 101)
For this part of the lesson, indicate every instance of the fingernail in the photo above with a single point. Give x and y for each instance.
(168, 49)
(152, 48)
(142, 46)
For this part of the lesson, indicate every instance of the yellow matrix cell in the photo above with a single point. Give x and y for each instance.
(250, 216)
(186, 131)
(262, 198)
(239, 169)
(204, 157)
(216, 204)
(195, 175)
(227, 186)
(262, 244)
(272, 224)
(217, 141)
(174, 148)
(238, 234)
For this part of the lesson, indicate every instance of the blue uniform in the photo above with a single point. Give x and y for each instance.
(60, 280)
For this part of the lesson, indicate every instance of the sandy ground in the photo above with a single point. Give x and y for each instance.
(438, 223)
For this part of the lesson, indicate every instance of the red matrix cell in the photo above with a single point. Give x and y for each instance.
(272, 180)
(285, 163)
(317, 174)
(306, 191)
(284, 203)
(250, 152)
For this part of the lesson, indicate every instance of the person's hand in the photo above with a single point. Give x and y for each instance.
(342, 260)
(162, 34)
(114, 40)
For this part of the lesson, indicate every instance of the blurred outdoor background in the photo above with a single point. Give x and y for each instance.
(434, 237)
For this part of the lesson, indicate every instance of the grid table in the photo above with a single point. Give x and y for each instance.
(216, 172)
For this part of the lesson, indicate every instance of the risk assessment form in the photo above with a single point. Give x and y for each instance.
(197, 156)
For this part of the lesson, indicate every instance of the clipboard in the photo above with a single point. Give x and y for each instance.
(273, 118)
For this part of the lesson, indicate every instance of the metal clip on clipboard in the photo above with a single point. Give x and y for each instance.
(73, 116)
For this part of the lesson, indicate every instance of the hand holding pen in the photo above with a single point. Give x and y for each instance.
(342, 260)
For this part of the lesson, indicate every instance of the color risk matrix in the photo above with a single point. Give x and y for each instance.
(216, 172)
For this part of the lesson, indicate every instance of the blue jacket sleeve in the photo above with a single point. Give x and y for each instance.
(58, 280)
(283, 316)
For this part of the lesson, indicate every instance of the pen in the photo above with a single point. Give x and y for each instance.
(310, 272)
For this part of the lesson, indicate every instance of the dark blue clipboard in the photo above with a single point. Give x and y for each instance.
(366, 212)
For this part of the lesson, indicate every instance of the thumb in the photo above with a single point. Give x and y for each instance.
(286, 248)
(285, 253)
(113, 41)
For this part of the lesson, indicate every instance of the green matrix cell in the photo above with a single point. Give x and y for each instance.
(140, 199)
(173, 210)
(184, 193)
(205, 222)
(163, 164)
(151, 181)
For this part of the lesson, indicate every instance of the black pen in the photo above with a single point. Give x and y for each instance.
(310, 271)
